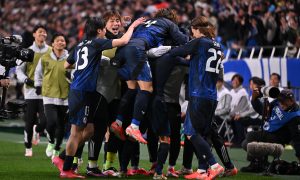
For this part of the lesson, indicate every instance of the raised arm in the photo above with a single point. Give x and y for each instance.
(126, 37)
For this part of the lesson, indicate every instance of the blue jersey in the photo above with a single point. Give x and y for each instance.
(204, 66)
(156, 30)
(87, 56)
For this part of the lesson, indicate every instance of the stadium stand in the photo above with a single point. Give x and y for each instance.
(240, 24)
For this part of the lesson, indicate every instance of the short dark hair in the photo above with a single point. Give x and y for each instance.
(57, 34)
(92, 25)
(258, 81)
(239, 77)
(37, 27)
(278, 76)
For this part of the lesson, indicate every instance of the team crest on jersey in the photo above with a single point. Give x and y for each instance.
(216, 44)
(84, 120)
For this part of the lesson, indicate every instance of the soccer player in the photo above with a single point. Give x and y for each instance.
(25, 73)
(49, 82)
(136, 70)
(165, 115)
(83, 99)
(205, 59)
(108, 85)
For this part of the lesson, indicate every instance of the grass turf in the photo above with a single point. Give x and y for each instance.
(13, 164)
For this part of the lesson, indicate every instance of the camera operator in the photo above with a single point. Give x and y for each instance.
(281, 127)
(25, 73)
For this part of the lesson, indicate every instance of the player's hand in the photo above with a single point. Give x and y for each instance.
(126, 20)
(29, 82)
(188, 57)
(137, 22)
(4, 83)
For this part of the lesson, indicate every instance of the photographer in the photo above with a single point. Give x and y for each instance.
(281, 127)
(25, 73)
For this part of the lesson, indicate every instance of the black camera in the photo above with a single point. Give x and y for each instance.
(11, 51)
(269, 91)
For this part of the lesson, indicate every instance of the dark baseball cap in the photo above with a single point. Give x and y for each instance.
(285, 94)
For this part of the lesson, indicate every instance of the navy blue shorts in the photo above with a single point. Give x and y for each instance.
(199, 118)
(82, 107)
(136, 66)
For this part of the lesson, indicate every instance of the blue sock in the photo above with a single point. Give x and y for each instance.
(135, 122)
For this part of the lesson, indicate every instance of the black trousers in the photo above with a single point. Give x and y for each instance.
(114, 144)
(173, 118)
(239, 128)
(174, 115)
(100, 125)
(34, 114)
(188, 152)
(56, 123)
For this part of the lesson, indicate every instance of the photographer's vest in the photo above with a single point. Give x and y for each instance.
(30, 66)
(54, 84)
(279, 118)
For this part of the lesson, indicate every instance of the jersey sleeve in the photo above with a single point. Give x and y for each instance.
(103, 44)
(177, 36)
(71, 57)
(186, 49)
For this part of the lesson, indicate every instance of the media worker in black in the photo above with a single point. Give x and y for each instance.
(282, 126)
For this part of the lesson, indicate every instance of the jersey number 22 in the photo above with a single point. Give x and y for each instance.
(216, 57)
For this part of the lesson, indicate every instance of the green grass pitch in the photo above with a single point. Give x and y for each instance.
(13, 164)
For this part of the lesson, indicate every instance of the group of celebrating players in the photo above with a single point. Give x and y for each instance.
(151, 57)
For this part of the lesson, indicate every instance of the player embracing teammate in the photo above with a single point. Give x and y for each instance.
(83, 99)
(204, 55)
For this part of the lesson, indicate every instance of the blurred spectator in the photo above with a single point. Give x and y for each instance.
(240, 23)
(275, 81)
(224, 100)
(239, 105)
(223, 107)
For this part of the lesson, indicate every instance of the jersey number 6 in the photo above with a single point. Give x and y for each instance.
(82, 54)
(215, 57)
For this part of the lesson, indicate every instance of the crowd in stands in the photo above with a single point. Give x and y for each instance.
(240, 23)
